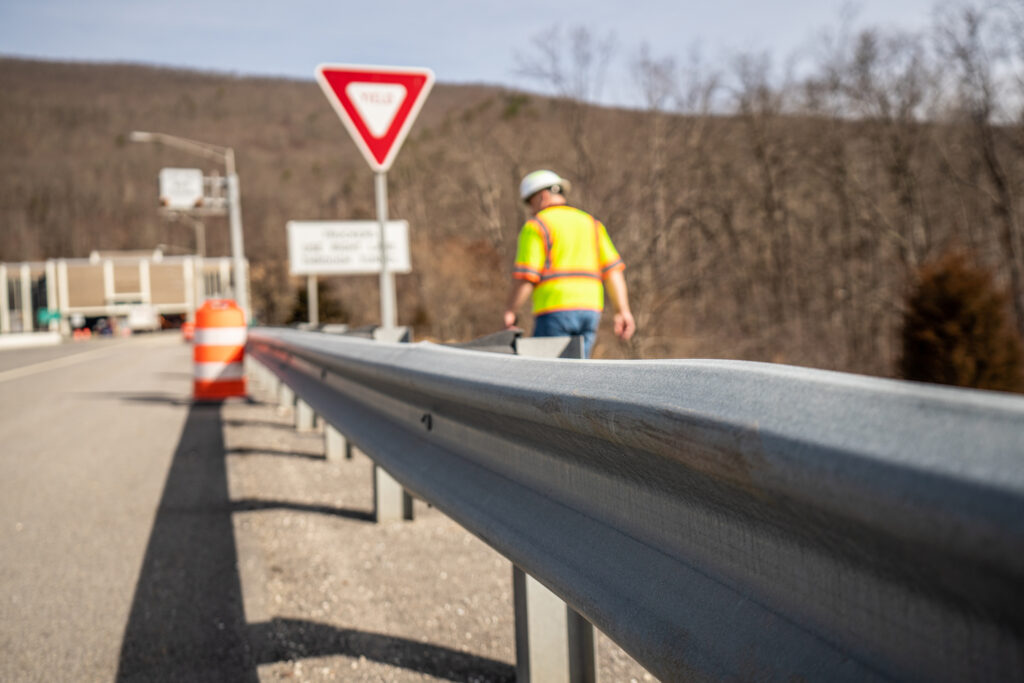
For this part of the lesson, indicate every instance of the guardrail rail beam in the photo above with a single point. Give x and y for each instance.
(716, 519)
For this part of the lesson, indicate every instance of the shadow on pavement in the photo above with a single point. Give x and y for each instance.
(249, 505)
(287, 426)
(288, 639)
(141, 397)
(245, 450)
(156, 397)
(187, 621)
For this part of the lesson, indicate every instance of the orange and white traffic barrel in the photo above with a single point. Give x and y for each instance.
(188, 330)
(219, 351)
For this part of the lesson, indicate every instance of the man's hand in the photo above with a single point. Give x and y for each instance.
(518, 293)
(625, 326)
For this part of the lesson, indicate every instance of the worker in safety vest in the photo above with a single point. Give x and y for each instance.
(564, 258)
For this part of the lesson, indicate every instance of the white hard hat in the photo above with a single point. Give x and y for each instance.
(541, 180)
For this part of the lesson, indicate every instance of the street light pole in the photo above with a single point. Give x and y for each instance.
(237, 247)
(200, 229)
(226, 155)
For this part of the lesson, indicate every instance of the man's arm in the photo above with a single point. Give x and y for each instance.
(615, 283)
(518, 293)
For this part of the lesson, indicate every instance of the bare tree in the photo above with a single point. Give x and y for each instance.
(760, 106)
(977, 51)
(660, 231)
(573, 67)
(886, 87)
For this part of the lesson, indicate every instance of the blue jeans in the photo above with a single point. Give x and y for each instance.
(567, 324)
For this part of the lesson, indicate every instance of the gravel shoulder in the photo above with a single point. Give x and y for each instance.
(331, 596)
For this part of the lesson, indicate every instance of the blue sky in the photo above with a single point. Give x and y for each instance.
(461, 40)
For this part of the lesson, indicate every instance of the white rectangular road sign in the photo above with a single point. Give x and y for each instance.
(346, 247)
(181, 188)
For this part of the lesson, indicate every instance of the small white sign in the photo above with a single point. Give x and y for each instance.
(181, 188)
(346, 247)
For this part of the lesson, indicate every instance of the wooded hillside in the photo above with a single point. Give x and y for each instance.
(758, 221)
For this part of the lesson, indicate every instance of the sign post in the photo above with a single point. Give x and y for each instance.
(388, 298)
(378, 105)
(312, 300)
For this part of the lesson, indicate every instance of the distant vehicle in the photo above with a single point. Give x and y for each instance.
(142, 318)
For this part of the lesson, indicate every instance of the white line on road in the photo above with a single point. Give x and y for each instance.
(63, 362)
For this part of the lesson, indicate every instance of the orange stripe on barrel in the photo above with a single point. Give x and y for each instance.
(218, 389)
(218, 354)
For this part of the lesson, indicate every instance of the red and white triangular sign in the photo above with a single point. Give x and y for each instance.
(377, 104)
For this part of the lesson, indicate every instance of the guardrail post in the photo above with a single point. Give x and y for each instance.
(581, 646)
(336, 445)
(266, 380)
(5, 310)
(286, 397)
(270, 382)
(303, 416)
(390, 500)
(258, 373)
(273, 382)
(554, 643)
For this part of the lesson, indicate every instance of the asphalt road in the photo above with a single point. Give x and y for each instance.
(144, 538)
(87, 433)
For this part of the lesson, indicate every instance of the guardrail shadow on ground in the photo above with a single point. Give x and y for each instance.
(245, 450)
(250, 504)
(173, 399)
(265, 424)
(187, 621)
(285, 639)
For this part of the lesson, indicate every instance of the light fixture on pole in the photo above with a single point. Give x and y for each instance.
(226, 155)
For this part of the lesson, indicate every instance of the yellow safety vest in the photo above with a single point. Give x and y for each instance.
(566, 253)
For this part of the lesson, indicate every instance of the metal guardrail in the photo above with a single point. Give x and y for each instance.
(717, 519)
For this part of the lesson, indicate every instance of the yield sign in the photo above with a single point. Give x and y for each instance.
(377, 104)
